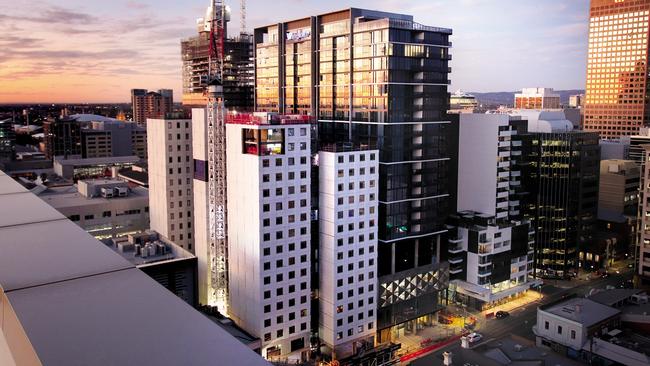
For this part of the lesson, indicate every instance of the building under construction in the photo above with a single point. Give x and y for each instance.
(238, 69)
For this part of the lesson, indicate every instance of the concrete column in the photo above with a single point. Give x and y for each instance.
(392, 258)
(417, 247)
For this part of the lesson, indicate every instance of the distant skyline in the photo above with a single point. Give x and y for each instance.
(96, 51)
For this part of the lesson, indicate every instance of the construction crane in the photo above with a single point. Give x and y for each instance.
(217, 193)
(242, 16)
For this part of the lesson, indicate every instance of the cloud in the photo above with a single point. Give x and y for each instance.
(9, 41)
(131, 4)
(55, 15)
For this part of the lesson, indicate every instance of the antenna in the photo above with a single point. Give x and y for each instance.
(242, 8)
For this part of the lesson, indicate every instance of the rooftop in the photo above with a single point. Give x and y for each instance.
(580, 310)
(614, 296)
(98, 161)
(146, 248)
(69, 196)
(85, 117)
(85, 305)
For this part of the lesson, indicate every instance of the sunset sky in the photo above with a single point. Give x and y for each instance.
(96, 51)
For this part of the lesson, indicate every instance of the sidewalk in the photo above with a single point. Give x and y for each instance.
(529, 297)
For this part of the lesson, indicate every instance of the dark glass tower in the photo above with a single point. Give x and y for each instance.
(377, 79)
(561, 179)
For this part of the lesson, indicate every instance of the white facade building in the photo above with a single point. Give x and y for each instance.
(348, 184)
(171, 169)
(490, 249)
(269, 207)
(487, 170)
(572, 322)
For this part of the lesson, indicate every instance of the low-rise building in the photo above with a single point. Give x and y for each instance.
(78, 168)
(590, 331)
(170, 265)
(105, 208)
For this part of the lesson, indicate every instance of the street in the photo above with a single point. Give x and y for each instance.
(521, 320)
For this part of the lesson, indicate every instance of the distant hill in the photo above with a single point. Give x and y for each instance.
(508, 98)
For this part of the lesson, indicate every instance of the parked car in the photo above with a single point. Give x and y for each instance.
(474, 337)
(502, 314)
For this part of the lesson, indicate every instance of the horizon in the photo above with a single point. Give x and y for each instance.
(69, 53)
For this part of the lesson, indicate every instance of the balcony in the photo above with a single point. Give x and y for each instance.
(455, 269)
(455, 239)
(455, 260)
(455, 249)
(484, 273)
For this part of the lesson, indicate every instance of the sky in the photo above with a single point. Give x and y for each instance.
(71, 51)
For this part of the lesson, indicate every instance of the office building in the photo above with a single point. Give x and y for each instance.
(616, 149)
(86, 305)
(537, 98)
(101, 139)
(618, 204)
(171, 169)
(461, 102)
(149, 104)
(576, 101)
(347, 248)
(269, 230)
(7, 140)
(105, 208)
(634, 144)
(616, 102)
(560, 177)
(618, 191)
(238, 70)
(342, 74)
(643, 251)
(62, 137)
(77, 168)
(490, 246)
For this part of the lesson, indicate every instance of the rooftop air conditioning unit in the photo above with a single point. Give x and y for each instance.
(107, 192)
(121, 191)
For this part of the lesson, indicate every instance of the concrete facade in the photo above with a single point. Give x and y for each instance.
(171, 170)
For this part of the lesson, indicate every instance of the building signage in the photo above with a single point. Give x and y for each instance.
(298, 34)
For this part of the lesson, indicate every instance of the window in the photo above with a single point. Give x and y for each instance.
(559, 329)
(546, 325)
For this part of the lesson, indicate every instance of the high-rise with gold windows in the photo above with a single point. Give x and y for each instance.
(377, 80)
(617, 102)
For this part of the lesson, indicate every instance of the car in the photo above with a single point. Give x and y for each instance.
(501, 314)
(474, 337)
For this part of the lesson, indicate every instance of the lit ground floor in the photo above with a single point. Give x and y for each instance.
(479, 298)
(288, 349)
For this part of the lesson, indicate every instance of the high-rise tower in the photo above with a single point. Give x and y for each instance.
(616, 102)
(378, 79)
